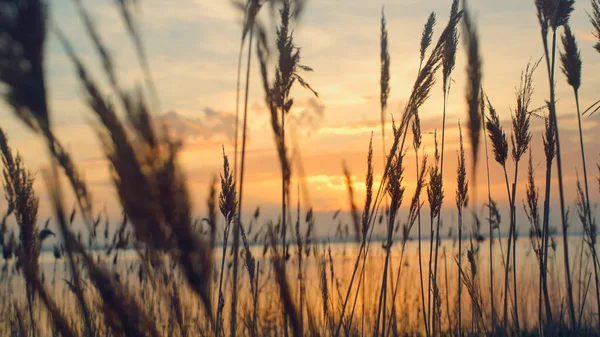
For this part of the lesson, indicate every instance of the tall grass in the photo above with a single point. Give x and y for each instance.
(182, 286)
(571, 67)
(551, 16)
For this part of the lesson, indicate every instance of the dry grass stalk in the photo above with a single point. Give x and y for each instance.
(474, 82)
(384, 78)
(449, 57)
(285, 293)
(448, 62)
(435, 195)
(26, 31)
(461, 203)
(18, 186)
(20, 196)
(536, 235)
(353, 208)
(482, 107)
(250, 9)
(520, 139)
(154, 156)
(426, 37)
(589, 229)
(497, 135)
(323, 284)
(571, 59)
(413, 214)
(595, 20)
(228, 207)
(369, 193)
(419, 94)
(571, 67)
(417, 138)
(395, 191)
(425, 318)
(473, 292)
(552, 15)
(384, 84)
(549, 141)
(145, 164)
(122, 312)
(280, 103)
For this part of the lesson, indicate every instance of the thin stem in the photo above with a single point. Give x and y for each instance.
(284, 185)
(435, 269)
(237, 109)
(447, 296)
(430, 276)
(546, 220)
(546, 235)
(383, 293)
(30, 299)
(514, 225)
(459, 302)
(395, 292)
(255, 298)
(236, 228)
(371, 223)
(420, 255)
(220, 294)
(487, 166)
(442, 175)
(587, 196)
(570, 303)
(507, 266)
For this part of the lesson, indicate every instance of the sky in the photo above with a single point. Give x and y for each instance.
(192, 46)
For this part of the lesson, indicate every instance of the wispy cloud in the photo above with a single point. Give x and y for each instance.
(214, 125)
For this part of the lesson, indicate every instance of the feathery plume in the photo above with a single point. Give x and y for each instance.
(595, 20)
(553, 13)
(427, 35)
(227, 197)
(549, 139)
(353, 208)
(571, 59)
(521, 137)
(449, 57)
(497, 135)
(385, 68)
(474, 82)
(532, 210)
(369, 194)
(24, 28)
(435, 193)
(416, 129)
(463, 186)
(18, 187)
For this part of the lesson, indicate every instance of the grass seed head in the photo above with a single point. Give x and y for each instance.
(570, 59)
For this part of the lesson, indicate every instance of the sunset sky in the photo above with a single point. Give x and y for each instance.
(193, 50)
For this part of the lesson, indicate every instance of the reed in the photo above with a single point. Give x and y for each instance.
(18, 186)
(571, 68)
(489, 208)
(448, 64)
(413, 214)
(595, 21)
(435, 194)
(426, 37)
(419, 94)
(170, 282)
(552, 15)
(227, 206)
(461, 203)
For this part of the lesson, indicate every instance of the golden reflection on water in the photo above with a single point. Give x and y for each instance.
(407, 304)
